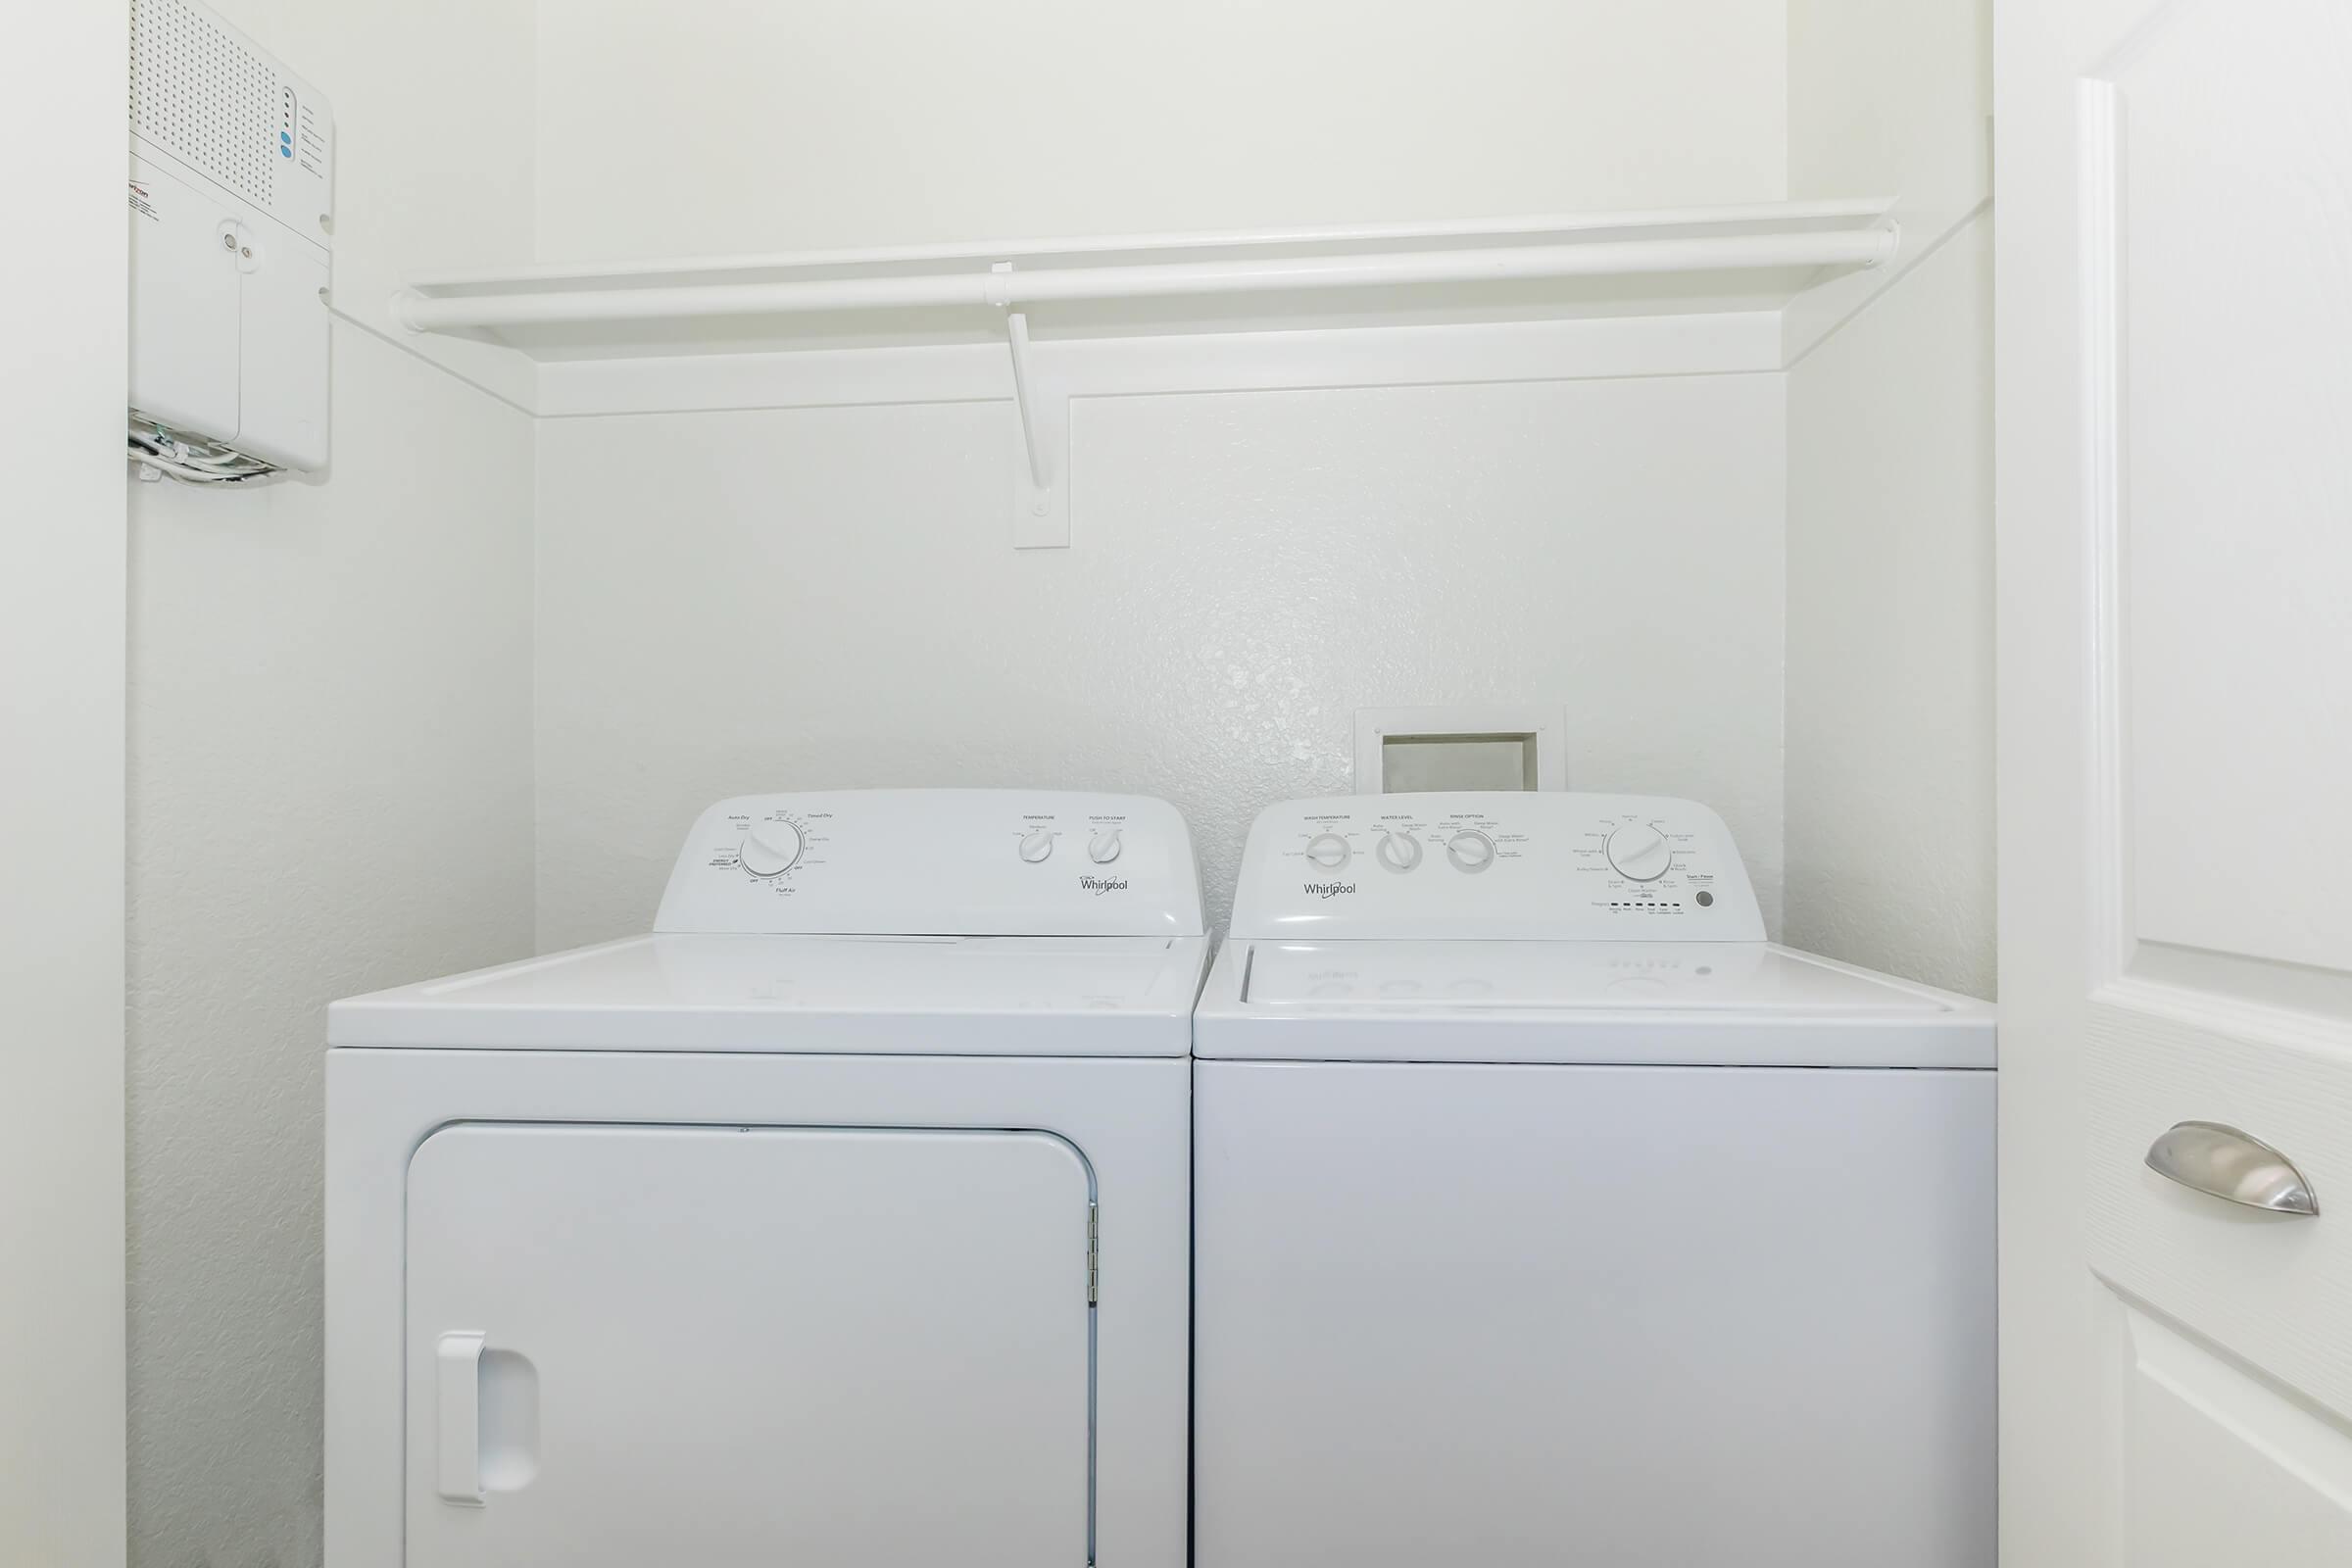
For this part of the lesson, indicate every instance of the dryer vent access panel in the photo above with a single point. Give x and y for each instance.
(231, 210)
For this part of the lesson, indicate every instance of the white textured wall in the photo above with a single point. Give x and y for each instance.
(329, 776)
(1889, 765)
(735, 126)
(803, 599)
(62, 289)
(331, 791)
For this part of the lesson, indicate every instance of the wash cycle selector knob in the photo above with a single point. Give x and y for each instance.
(1470, 850)
(1104, 847)
(770, 848)
(1399, 852)
(1036, 843)
(1327, 851)
(1640, 853)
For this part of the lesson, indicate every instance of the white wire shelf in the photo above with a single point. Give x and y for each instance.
(1699, 259)
(1023, 296)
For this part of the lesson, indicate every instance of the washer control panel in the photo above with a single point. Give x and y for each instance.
(937, 862)
(1550, 864)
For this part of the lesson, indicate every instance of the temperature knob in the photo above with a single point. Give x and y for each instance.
(1640, 853)
(1327, 851)
(1399, 852)
(1470, 850)
(770, 848)
(1104, 847)
(1036, 843)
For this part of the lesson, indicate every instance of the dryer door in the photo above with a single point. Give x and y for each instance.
(747, 1346)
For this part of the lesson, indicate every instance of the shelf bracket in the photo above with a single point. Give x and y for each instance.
(1041, 487)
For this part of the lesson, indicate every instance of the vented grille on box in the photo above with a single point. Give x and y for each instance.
(200, 92)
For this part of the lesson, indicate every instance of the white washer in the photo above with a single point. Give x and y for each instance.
(842, 1220)
(1544, 1214)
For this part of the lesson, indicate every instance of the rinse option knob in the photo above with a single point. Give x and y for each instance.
(1104, 847)
(1398, 851)
(1640, 853)
(1470, 850)
(770, 848)
(1327, 851)
(1036, 843)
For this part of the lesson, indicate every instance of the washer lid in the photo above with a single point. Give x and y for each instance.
(1483, 976)
(939, 996)
(1695, 1002)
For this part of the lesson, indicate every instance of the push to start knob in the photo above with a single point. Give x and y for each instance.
(1640, 853)
(1327, 851)
(1399, 852)
(1470, 850)
(770, 848)
(1104, 847)
(1036, 843)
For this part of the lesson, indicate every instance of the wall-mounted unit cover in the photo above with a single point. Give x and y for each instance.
(231, 210)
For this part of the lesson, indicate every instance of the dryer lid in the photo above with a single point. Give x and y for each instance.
(939, 996)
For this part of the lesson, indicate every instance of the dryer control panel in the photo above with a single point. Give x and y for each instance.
(937, 862)
(1546, 865)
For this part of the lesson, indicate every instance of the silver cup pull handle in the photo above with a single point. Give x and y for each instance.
(2210, 1157)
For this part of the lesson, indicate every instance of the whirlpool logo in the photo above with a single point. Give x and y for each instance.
(1100, 885)
(1330, 890)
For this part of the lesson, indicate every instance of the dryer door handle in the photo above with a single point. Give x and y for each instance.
(458, 1435)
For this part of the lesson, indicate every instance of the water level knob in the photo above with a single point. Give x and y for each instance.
(1399, 852)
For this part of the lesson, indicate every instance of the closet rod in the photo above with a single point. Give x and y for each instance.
(1001, 290)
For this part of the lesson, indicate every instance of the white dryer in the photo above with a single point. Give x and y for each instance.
(1544, 1214)
(841, 1220)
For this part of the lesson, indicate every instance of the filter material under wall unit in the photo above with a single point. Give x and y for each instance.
(231, 220)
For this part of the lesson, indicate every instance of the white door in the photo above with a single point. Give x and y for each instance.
(739, 1348)
(2174, 406)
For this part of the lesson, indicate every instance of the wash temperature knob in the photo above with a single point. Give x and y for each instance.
(1103, 847)
(1036, 844)
(770, 848)
(1327, 851)
(1640, 853)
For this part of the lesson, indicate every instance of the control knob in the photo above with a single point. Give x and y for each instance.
(1470, 850)
(1104, 847)
(1327, 851)
(770, 848)
(1036, 843)
(1399, 852)
(1640, 853)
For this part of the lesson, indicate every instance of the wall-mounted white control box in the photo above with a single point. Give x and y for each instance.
(232, 162)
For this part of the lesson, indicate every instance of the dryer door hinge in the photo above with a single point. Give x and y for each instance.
(1094, 1252)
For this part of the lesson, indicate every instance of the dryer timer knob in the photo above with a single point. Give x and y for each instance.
(770, 848)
